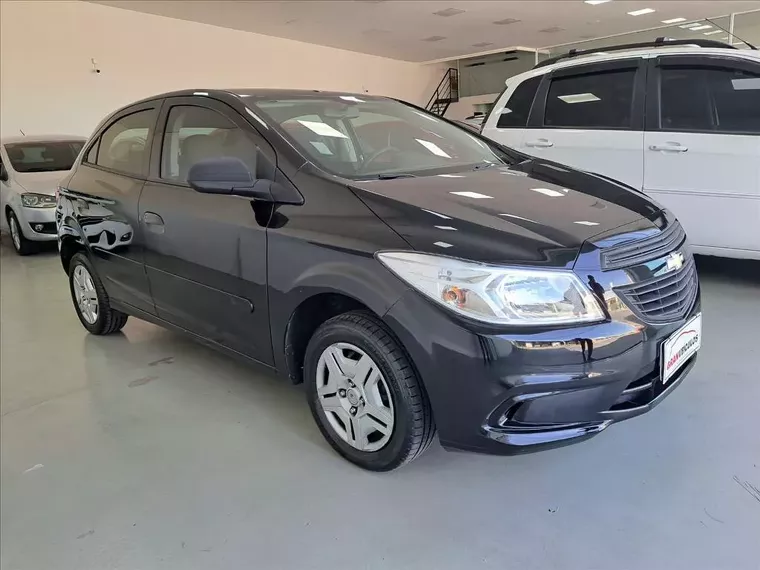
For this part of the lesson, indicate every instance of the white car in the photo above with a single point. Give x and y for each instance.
(30, 169)
(678, 120)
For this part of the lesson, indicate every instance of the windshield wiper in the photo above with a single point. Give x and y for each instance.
(392, 176)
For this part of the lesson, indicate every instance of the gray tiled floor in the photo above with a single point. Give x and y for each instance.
(147, 451)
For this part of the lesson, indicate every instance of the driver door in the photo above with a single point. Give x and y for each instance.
(205, 255)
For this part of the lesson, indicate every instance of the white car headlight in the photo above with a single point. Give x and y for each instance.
(494, 294)
(37, 200)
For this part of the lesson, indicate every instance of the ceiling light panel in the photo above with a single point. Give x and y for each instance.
(674, 21)
(700, 28)
(641, 12)
(552, 30)
(448, 12)
(713, 32)
(506, 21)
(596, 2)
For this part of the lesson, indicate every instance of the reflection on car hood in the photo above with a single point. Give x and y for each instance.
(536, 213)
(40, 182)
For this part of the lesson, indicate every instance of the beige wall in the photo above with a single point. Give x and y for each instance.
(47, 84)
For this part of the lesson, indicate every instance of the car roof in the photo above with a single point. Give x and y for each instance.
(602, 56)
(41, 138)
(257, 93)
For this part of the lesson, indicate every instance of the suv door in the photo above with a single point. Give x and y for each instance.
(702, 157)
(101, 197)
(591, 117)
(206, 254)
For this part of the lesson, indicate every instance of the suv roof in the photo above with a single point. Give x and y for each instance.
(611, 53)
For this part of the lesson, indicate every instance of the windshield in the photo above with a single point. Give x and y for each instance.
(43, 156)
(358, 138)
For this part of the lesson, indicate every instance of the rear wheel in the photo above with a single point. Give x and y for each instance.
(365, 395)
(22, 245)
(91, 300)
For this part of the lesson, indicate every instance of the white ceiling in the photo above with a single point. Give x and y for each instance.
(398, 29)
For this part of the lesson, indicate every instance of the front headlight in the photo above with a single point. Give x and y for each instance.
(37, 201)
(494, 294)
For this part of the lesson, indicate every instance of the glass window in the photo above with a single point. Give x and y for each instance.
(92, 154)
(196, 133)
(515, 113)
(736, 95)
(592, 101)
(43, 156)
(709, 99)
(371, 137)
(124, 145)
(684, 100)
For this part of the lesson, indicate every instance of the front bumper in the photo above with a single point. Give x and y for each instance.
(37, 224)
(512, 393)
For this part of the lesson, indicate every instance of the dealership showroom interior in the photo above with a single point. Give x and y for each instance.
(379, 285)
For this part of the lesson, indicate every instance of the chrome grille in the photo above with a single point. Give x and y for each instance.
(639, 251)
(665, 298)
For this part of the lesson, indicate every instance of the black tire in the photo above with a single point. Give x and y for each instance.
(108, 320)
(414, 428)
(24, 246)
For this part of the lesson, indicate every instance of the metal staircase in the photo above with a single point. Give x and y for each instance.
(445, 94)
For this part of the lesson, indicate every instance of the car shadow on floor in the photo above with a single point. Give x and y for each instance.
(745, 270)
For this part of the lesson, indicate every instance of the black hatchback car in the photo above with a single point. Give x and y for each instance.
(416, 276)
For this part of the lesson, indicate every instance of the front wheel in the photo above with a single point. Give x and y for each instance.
(22, 245)
(91, 300)
(365, 395)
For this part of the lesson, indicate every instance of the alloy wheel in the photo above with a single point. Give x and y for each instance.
(355, 397)
(15, 232)
(85, 294)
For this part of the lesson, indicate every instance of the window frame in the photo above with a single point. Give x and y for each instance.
(96, 139)
(537, 119)
(226, 111)
(704, 62)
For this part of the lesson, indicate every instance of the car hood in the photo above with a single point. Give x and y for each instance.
(40, 182)
(533, 213)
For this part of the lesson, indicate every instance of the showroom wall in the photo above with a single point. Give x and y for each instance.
(48, 85)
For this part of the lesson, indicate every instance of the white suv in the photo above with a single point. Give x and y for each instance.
(678, 121)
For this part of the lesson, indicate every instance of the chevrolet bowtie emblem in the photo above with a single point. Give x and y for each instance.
(675, 261)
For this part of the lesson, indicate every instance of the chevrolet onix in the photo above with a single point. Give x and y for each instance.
(417, 277)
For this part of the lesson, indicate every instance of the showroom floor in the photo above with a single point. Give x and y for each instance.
(148, 451)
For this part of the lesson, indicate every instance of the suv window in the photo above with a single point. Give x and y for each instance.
(124, 145)
(709, 99)
(196, 133)
(592, 101)
(517, 109)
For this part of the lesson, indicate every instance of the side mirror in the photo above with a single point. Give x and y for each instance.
(224, 175)
(3, 173)
(231, 176)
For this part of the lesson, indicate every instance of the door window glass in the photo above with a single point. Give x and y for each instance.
(124, 145)
(709, 99)
(517, 109)
(197, 133)
(736, 95)
(592, 101)
(684, 100)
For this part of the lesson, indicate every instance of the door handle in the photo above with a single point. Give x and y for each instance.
(669, 147)
(154, 222)
(540, 143)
